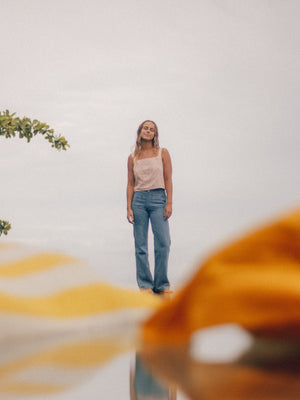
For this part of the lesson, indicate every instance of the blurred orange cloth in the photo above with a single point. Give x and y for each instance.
(253, 282)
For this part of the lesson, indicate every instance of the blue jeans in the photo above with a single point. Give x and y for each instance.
(150, 204)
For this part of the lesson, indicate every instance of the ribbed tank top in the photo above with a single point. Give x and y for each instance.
(148, 173)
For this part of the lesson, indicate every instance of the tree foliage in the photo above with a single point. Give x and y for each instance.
(4, 227)
(11, 126)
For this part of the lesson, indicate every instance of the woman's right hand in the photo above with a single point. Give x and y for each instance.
(130, 216)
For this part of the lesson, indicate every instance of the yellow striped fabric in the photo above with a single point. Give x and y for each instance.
(59, 322)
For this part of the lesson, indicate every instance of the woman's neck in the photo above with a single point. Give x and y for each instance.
(146, 145)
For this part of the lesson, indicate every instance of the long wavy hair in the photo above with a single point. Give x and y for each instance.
(138, 143)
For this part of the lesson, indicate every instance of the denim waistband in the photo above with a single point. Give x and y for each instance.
(151, 190)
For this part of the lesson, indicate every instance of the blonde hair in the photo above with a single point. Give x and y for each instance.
(138, 143)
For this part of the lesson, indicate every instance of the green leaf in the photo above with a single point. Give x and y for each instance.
(10, 125)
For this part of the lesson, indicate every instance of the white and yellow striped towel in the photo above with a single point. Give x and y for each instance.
(58, 321)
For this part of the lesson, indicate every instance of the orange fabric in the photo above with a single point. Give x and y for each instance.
(254, 282)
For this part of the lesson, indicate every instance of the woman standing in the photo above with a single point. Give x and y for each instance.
(149, 197)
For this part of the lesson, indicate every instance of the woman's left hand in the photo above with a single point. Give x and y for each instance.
(168, 211)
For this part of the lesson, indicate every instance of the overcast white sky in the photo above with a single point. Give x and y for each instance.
(220, 78)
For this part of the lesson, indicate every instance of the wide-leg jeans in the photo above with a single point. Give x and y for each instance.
(149, 205)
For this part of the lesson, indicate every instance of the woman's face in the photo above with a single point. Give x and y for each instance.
(148, 131)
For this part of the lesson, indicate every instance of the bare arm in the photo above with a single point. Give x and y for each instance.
(130, 189)
(168, 182)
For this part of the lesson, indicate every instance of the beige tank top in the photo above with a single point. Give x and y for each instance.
(148, 173)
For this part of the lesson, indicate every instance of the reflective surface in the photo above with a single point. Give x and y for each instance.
(144, 384)
(268, 371)
(81, 366)
(72, 366)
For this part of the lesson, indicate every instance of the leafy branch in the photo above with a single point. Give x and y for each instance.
(4, 227)
(10, 126)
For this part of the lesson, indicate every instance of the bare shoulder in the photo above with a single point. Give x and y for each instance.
(164, 153)
(130, 159)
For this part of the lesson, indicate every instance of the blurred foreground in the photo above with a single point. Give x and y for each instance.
(232, 332)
